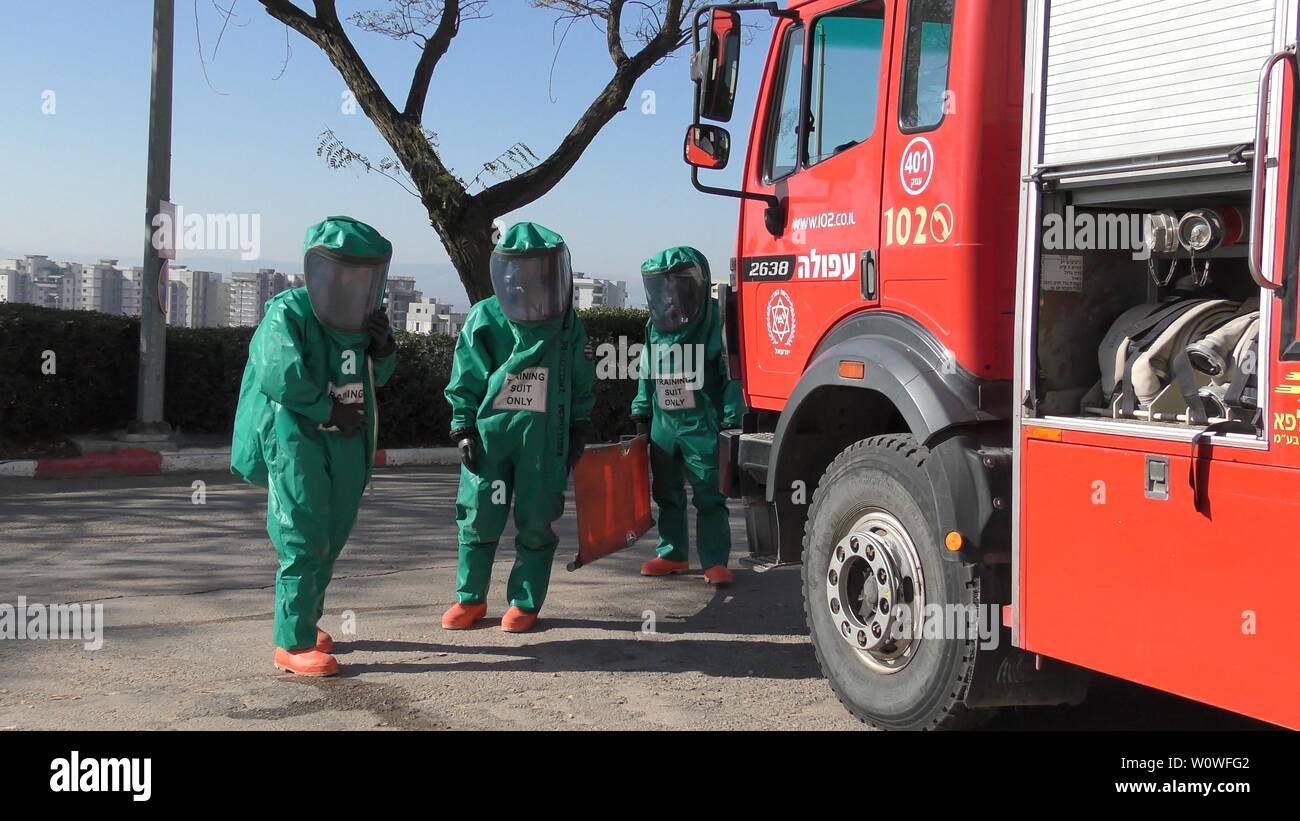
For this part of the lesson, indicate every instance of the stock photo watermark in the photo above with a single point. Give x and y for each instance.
(958, 622)
(676, 366)
(180, 231)
(29, 621)
(117, 775)
(1096, 231)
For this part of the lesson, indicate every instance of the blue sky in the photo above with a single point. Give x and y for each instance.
(73, 181)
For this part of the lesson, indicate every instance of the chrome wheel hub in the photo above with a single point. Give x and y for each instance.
(876, 593)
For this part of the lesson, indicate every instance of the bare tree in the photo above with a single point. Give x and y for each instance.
(463, 218)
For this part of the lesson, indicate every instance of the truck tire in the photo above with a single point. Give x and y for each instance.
(867, 526)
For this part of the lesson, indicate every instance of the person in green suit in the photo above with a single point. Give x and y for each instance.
(307, 422)
(685, 398)
(521, 399)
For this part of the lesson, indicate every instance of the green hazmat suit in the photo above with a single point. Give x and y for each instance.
(522, 385)
(685, 391)
(315, 477)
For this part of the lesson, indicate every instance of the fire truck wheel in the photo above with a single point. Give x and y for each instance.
(871, 566)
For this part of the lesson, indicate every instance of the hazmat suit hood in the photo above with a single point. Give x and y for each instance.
(677, 288)
(345, 267)
(532, 275)
(673, 280)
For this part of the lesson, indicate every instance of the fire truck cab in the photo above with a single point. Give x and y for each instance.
(1014, 307)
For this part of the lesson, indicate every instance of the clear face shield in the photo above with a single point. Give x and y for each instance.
(676, 297)
(344, 291)
(533, 288)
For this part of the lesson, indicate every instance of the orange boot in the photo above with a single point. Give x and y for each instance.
(305, 662)
(718, 575)
(662, 567)
(518, 621)
(462, 616)
(324, 641)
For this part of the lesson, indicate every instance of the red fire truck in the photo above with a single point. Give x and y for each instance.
(1014, 305)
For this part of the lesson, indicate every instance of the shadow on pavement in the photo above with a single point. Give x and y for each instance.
(711, 657)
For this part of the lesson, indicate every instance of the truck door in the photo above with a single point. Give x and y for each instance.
(818, 145)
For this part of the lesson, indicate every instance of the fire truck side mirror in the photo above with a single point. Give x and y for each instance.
(715, 67)
(707, 147)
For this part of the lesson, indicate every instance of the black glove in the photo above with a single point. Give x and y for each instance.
(382, 344)
(349, 419)
(577, 444)
(470, 446)
(642, 425)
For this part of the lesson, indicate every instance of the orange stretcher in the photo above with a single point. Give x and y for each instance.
(612, 486)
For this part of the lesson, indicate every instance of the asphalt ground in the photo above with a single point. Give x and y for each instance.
(187, 595)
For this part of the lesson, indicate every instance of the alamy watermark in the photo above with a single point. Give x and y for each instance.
(1096, 231)
(74, 773)
(207, 232)
(53, 622)
(675, 364)
(962, 622)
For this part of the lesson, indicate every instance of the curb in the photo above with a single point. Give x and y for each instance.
(140, 462)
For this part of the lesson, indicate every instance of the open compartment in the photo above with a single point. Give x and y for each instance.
(1137, 115)
(1145, 310)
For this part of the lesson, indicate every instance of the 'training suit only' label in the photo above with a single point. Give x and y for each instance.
(353, 393)
(523, 391)
(674, 393)
(350, 394)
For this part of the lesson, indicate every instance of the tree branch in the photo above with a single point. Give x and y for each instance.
(614, 33)
(295, 18)
(508, 195)
(327, 13)
(434, 48)
(326, 31)
(439, 190)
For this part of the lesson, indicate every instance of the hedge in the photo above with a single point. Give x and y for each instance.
(93, 385)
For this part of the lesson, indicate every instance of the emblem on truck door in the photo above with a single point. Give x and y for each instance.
(941, 222)
(780, 322)
(917, 167)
